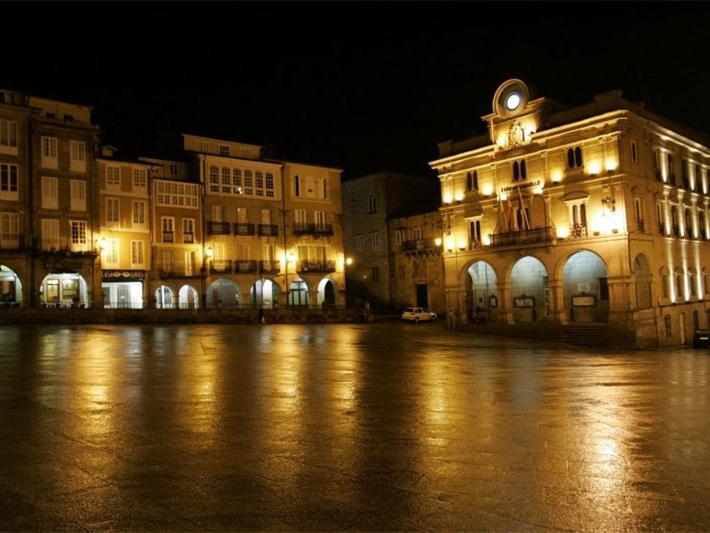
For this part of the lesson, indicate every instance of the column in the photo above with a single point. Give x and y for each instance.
(557, 295)
(506, 303)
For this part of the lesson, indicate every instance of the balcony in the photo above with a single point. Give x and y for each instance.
(418, 245)
(177, 270)
(323, 229)
(270, 267)
(268, 230)
(578, 231)
(242, 266)
(221, 266)
(304, 228)
(188, 238)
(168, 236)
(316, 266)
(243, 229)
(524, 237)
(218, 228)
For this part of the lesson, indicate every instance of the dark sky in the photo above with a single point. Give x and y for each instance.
(362, 86)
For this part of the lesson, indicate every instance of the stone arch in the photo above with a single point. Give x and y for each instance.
(10, 287)
(530, 296)
(188, 297)
(265, 293)
(64, 289)
(164, 298)
(483, 298)
(223, 293)
(327, 292)
(643, 281)
(586, 292)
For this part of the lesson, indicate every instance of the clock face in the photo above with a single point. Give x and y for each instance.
(512, 101)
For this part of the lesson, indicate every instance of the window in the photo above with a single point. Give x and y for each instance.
(375, 238)
(520, 170)
(9, 229)
(358, 242)
(418, 233)
(659, 218)
(178, 194)
(398, 237)
(259, 176)
(140, 177)
(214, 179)
(372, 204)
(49, 152)
(701, 225)
(325, 188)
(8, 137)
(269, 185)
(138, 213)
(203, 147)
(300, 217)
(50, 234)
(8, 182)
(78, 232)
(174, 171)
(475, 231)
(634, 152)
(657, 165)
(671, 169)
(113, 176)
(685, 173)
(112, 216)
(111, 253)
(224, 149)
(77, 195)
(188, 230)
(574, 158)
(472, 181)
(137, 253)
(217, 213)
(242, 215)
(639, 212)
(296, 186)
(697, 179)
(248, 182)
(667, 324)
(688, 222)
(50, 193)
(266, 216)
(692, 281)
(77, 150)
(679, 292)
(167, 224)
(674, 221)
(665, 281)
(319, 219)
(237, 181)
(226, 180)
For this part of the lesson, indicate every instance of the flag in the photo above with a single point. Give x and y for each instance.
(511, 214)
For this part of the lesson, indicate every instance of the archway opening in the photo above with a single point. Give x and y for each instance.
(64, 289)
(484, 291)
(223, 293)
(298, 294)
(264, 293)
(10, 288)
(188, 298)
(164, 298)
(585, 288)
(326, 293)
(642, 277)
(530, 294)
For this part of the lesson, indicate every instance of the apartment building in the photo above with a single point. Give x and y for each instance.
(124, 230)
(596, 213)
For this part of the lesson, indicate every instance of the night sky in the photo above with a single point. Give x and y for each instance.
(361, 86)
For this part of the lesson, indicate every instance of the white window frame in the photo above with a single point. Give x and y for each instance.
(141, 248)
(113, 177)
(49, 239)
(138, 215)
(77, 156)
(111, 255)
(109, 220)
(9, 187)
(9, 229)
(50, 192)
(8, 137)
(188, 227)
(140, 178)
(375, 239)
(49, 150)
(78, 239)
(77, 195)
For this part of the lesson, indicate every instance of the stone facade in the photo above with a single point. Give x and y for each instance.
(369, 203)
(597, 213)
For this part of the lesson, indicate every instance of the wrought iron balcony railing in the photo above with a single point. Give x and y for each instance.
(315, 266)
(578, 231)
(188, 238)
(218, 228)
(241, 228)
(268, 230)
(221, 266)
(242, 266)
(523, 237)
(168, 236)
(270, 267)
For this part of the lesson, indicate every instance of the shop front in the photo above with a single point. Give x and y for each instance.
(123, 289)
(64, 289)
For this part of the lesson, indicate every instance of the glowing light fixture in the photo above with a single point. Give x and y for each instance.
(447, 198)
(349, 261)
(562, 233)
(459, 196)
(437, 241)
(209, 252)
(450, 244)
(488, 190)
(102, 243)
(594, 167)
(556, 176)
(610, 164)
(512, 101)
(462, 245)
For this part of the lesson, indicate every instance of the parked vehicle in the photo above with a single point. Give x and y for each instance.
(417, 314)
(701, 339)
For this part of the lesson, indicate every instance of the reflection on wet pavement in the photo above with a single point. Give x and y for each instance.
(370, 427)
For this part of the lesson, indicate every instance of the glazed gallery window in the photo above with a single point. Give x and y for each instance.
(112, 211)
(140, 177)
(113, 176)
(178, 194)
(78, 231)
(8, 182)
(8, 136)
(138, 213)
(137, 253)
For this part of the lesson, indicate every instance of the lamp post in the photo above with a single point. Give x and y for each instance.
(288, 258)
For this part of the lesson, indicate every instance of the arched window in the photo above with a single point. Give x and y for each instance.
(523, 170)
(679, 289)
(667, 323)
(472, 181)
(634, 152)
(688, 223)
(659, 219)
(574, 158)
(693, 281)
(516, 171)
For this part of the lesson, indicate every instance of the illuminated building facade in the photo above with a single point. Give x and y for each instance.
(273, 231)
(124, 226)
(597, 213)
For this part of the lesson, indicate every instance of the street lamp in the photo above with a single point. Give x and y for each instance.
(349, 261)
(208, 255)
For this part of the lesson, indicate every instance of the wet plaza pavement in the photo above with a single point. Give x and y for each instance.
(367, 427)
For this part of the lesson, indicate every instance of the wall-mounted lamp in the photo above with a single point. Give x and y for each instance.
(209, 252)
(349, 261)
(437, 241)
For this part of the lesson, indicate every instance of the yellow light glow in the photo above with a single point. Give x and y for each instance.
(349, 261)
(209, 252)
(556, 176)
(437, 241)
(538, 189)
(462, 244)
(594, 167)
(459, 196)
(447, 198)
(291, 257)
(488, 190)
(503, 196)
(610, 164)
(486, 240)
(449, 243)
(562, 232)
